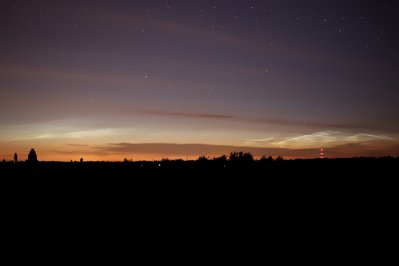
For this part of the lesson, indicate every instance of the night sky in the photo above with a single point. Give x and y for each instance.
(105, 80)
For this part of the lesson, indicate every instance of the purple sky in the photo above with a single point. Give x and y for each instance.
(79, 78)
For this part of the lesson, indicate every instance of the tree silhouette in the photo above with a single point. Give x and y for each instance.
(202, 159)
(241, 157)
(32, 156)
(221, 159)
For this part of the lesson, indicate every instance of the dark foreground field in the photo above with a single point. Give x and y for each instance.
(364, 181)
(264, 195)
(266, 169)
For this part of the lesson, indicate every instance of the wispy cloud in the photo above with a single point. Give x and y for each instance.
(308, 123)
(162, 150)
(70, 133)
(365, 137)
(192, 115)
(281, 50)
(171, 149)
(257, 120)
(329, 139)
(258, 140)
(78, 145)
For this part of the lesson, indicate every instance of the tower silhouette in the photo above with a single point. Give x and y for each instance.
(321, 153)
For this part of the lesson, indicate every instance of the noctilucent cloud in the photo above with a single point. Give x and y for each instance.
(107, 80)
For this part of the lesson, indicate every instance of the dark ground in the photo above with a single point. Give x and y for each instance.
(354, 168)
(332, 199)
(285, 187)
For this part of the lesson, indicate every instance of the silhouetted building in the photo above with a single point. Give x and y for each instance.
(32, 156)
(15, 157)
(81, 160)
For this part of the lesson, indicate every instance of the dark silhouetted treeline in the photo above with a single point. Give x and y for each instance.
(237, 164)
(236, 181)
